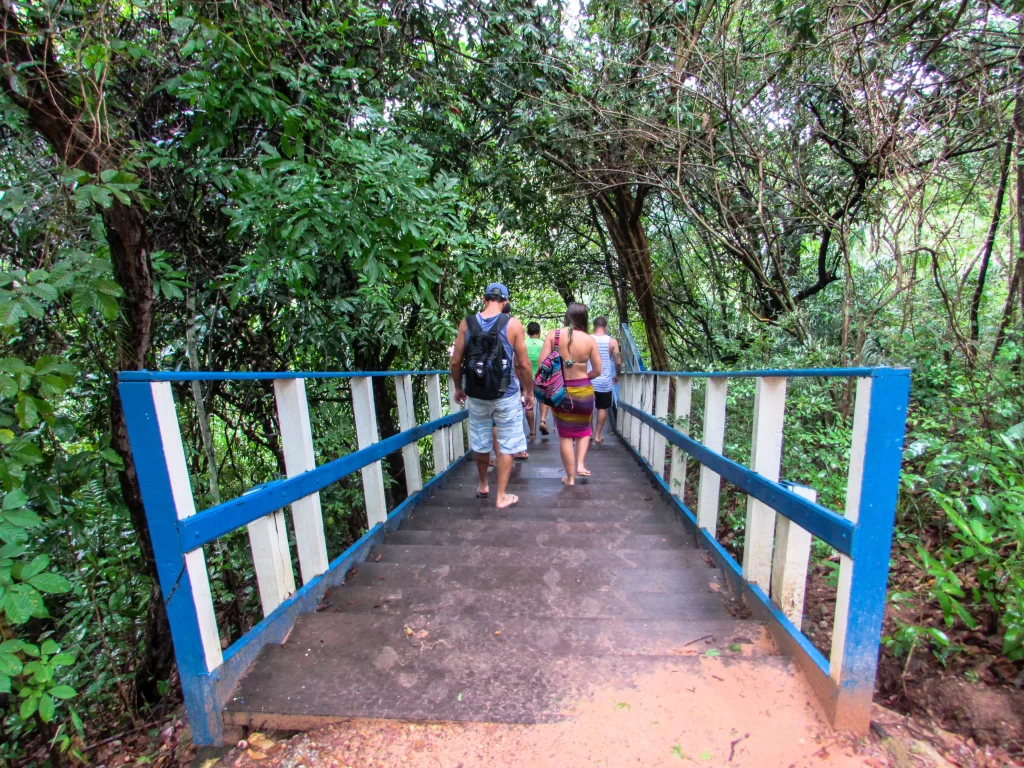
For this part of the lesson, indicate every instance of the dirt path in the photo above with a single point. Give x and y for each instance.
(726, 713)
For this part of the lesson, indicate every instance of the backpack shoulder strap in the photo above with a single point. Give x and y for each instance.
(472, 324)
(500, 324)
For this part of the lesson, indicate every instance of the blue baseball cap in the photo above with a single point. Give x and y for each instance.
(497, 289)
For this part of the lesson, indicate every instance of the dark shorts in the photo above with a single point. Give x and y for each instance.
(602, 400)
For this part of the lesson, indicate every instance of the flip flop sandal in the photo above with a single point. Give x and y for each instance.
(582, 473)
(520, 457)
(483, 495)
(508, 506)
(543, 430)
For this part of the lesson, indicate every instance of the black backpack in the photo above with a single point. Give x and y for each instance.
(486, 365)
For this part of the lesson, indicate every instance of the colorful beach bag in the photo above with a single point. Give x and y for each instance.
(549, 385)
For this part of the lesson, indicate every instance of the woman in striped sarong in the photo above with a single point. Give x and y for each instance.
(572, 417)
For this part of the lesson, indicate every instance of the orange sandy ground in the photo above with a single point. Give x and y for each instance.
(726, 714)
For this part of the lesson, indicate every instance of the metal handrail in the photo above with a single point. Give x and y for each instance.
(632, 356)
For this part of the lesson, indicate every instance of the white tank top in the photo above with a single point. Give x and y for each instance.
(603, 383)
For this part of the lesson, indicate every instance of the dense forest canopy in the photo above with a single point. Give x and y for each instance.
(329, 185)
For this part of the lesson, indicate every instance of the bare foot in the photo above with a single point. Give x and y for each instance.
(583, 472)
(507, 500)
(568, 481)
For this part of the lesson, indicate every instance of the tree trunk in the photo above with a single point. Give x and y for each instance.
(1017, 278)
(986, 252)
(615, 277)
(41, 91)
(623, 216)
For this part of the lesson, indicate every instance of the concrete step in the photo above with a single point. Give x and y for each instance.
(527, 512)
(298, 688)
(353, 635)
(593, 578)
(542, 539)
(583, 497)
(465, 554)
(420, 521)
(520, 602)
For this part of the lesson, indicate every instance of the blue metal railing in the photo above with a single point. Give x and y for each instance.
(208, 675)
(844, 683)
(632, 357)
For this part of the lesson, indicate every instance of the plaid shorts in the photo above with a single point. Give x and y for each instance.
(506, 414)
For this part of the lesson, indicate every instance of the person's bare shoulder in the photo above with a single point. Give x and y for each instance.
(515, 325)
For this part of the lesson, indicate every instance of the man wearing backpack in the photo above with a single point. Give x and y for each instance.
(490, 350)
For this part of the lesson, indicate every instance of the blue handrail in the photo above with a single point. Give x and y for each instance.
(632, 353)
(844, 682)
(796, 373)
(833, 529)
(208, 675)
(210, 524)
(260, 375)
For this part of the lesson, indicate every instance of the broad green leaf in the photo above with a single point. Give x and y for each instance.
(53, 583)
(45, 291)
(12, 312)
(26, 411)
(38, 565)
(182, 24)
(28, 707)
(46, 708)
(112, 456)
(982, 531)
(82, 300)
(49, 647)
(46, 364)
(63, 692)
(15, 500)
(23, 518)
(18, 608)
(10, 664)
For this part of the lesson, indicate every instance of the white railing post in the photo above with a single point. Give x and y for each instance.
(366, 435)
(646, 440)
(458, 435)
(271, 559)
(854, 489)
(766, 460)
(661, 386)
(439, 438)
(646, 398)
(789, 563)
(297, 446)
(407, 421)
(185, 506)
(681, 411)
(709, 490)
(635, 425)
(625, 385)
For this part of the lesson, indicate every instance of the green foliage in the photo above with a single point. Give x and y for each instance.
(330, 186)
